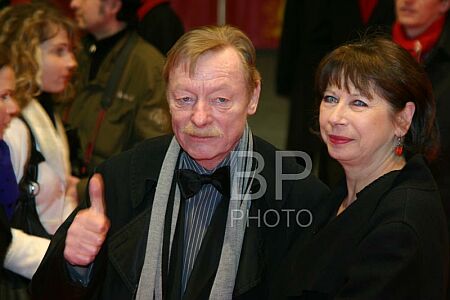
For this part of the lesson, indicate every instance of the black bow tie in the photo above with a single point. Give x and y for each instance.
(190, 182)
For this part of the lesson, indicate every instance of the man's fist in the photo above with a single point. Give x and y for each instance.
(88, 231)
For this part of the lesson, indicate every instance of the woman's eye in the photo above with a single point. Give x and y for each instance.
(329, 99)
(359, 103)
(61, 51)
(5, 96)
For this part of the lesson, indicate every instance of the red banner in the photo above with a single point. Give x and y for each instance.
(195, 13)
(260, 19)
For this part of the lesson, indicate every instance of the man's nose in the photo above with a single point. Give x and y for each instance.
(201, 113)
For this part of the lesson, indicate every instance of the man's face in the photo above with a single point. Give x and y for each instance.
(209, 109)
(89, 14)
(418, 15)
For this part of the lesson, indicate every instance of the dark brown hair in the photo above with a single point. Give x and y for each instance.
(379, 65)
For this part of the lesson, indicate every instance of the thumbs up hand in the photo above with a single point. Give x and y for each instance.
(88, 230)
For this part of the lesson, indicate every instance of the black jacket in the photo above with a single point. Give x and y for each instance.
(437, 66)
(5, 234)
(391, 243)
(130, 181)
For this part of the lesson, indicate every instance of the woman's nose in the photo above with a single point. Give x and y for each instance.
(12, 108)
(71, 61)
(338, 114)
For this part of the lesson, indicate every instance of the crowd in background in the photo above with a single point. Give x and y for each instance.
(83, 82)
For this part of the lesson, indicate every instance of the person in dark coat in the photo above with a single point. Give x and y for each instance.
(206, 214)
(385, 236)
(423, 28)
(159, 24)
(311, 29)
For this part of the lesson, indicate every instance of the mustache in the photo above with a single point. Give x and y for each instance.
(211, 131)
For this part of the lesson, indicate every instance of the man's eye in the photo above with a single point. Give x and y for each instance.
(184, 101)
(329, 99)
(221, 102)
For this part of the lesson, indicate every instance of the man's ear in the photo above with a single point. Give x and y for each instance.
(254, 99)
(404, 118)
(115, 6)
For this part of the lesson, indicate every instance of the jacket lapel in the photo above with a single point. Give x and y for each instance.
(127, 246)
(126, 249)
(251, 263)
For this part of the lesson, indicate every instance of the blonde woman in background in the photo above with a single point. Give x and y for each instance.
(41, 41)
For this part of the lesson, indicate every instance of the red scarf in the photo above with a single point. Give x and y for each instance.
(366, 8)
(423, 43)
(147, 5)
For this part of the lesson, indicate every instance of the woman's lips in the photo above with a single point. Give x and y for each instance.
(407, 11)
(339, 140)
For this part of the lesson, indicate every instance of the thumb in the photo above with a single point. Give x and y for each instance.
(96, 192)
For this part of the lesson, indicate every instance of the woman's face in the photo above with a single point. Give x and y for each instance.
(57, 63)
(357, 131)
(417, 15)
(8, 106)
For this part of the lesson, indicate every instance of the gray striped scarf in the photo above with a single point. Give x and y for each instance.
(150, 283)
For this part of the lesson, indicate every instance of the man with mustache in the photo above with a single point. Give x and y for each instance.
(202, 214)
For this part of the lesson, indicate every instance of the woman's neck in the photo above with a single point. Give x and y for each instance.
(46, 101)
(358, 177)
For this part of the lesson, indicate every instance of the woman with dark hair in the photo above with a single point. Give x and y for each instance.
(382, 234)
